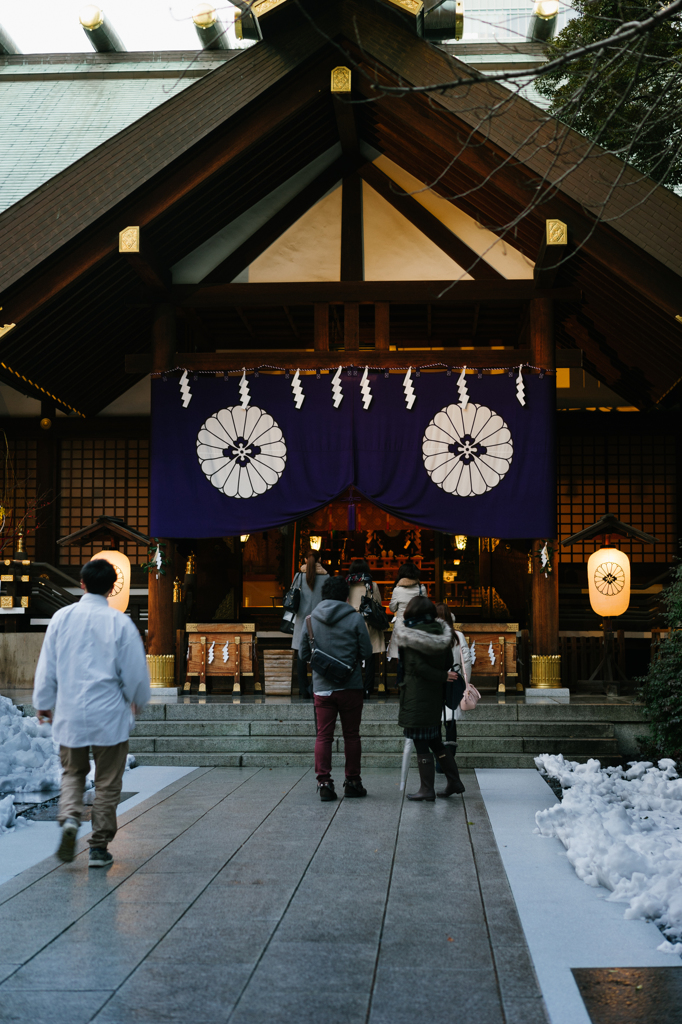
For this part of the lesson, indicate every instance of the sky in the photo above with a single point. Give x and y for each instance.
(52, 26)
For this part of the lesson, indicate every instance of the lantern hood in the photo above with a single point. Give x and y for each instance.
(608, 525)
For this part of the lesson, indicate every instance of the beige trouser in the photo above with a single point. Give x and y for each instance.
(110, 763)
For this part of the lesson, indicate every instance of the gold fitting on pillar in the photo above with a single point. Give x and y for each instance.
(177, 590)
(161, 670)
(546, 672)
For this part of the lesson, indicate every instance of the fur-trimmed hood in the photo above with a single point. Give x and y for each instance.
(421, 640)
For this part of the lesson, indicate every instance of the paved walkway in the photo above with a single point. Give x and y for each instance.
(238, 896)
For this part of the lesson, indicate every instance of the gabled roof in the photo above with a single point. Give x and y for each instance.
(209, 153)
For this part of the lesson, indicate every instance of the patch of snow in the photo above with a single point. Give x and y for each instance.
(622, 829)
(29, 760)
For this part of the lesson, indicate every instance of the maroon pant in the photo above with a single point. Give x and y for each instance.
(347, 704)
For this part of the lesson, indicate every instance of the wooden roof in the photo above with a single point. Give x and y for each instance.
(212, 151)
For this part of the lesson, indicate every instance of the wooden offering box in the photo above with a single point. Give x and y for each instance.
(491, 636)
(222, 649)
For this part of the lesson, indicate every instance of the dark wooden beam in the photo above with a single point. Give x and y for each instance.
(294, 328)
(301, 293)
(321, 326)
(163, 338)
(429, 225)
(382, 326)
(344, 111)
(352, 238)
(351, 326)
(307, 359)
(546, 265)
(149, 269)
(261, 239)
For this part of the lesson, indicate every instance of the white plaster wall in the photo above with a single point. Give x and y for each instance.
(395, 250)
(497, 252)
(310, 250)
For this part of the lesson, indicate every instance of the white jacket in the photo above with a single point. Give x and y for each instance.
(92, 667)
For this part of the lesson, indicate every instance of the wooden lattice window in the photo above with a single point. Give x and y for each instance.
(103, 477)
(19, 496)
(630, 475)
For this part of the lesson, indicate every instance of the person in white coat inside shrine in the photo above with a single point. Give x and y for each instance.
(90, 682)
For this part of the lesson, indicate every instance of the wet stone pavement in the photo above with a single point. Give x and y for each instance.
(236, 895)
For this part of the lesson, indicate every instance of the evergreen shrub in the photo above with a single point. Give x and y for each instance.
(662, 690)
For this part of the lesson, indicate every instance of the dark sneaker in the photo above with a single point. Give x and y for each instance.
(354, 787)
(67, 846)
(326, 790)
(100, 857)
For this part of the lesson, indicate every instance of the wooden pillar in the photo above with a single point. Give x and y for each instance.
(545, 587)
(161, 637)
(47, 454)
(351, 326)
(321, 326)
(382, 326)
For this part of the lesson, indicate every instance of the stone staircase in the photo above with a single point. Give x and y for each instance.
(492, 736)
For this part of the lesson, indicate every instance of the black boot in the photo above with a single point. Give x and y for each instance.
(427, 776)
(451, 772)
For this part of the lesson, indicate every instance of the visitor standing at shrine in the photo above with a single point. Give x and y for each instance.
(309, 582)
(92, 678)
(336, 635)
(361, 584)
(407, 587)
(426, 651)
(454, 688)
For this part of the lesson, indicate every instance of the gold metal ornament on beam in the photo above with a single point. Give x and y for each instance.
(557, 232)
(91, 17)
(341, 80)
(129, 240)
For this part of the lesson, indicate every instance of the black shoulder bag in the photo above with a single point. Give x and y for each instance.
(372, 612)
(291, 602)
(337, 672)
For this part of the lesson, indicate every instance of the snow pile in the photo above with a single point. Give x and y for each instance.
(8, 815)
(29, 762)
(622, 829)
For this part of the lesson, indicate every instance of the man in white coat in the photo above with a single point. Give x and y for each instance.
(92, 673)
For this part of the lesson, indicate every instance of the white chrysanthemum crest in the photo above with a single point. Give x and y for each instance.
(211, 655)
(520, 387)
(491, 653)
(226, 650)
(408, 388)
(462, 388)
(244, 396)
(185, 392)
(297, 389)
(337, 390)
(365, 389)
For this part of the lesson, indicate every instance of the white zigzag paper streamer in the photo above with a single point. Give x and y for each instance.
(462, 388)
(365, 389)
(520, 387)
(226, 650)
(158, 558)
(544, 556)
(408, 388)
(297, 390)
(244, 396)
(472, 651)
(337, 390)
(185, 392)
(491, 653)
(211, 655)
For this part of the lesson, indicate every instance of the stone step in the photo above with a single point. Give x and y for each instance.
(485, 759)
(371, 745)
(563, 730)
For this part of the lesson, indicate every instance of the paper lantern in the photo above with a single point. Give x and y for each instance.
(460, 541)
(608, 577)
(315, 542)
(120, 595)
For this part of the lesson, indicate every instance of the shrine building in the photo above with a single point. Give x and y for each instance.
(275, 293)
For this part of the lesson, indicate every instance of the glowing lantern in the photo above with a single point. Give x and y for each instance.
(608, 577)
(460, 541)
(120, 595)
(315, 542)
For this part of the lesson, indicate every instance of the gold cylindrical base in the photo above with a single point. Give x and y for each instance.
(161, 670)
(546, 672)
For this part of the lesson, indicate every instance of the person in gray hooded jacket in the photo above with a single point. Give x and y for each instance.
(340, 632)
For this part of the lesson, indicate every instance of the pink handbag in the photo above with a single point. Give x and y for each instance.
(470, 699)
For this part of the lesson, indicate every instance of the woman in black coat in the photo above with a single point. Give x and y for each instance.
(426, 651)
